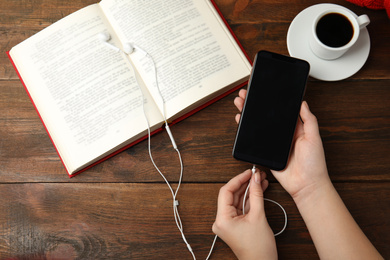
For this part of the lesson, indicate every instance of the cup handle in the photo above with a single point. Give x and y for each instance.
(363, 21)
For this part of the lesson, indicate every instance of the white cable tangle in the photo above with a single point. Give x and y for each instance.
(128, 49)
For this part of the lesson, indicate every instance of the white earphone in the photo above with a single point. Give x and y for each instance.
(105, 37)
(128, 48)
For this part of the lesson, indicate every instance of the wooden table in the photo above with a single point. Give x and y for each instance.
(122, 209)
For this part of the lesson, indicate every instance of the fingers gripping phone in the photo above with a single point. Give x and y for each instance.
(271, 110)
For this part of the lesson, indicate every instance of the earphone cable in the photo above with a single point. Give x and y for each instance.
(174, 193)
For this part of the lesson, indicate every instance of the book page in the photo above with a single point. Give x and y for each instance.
(85, 92)
(196, 58)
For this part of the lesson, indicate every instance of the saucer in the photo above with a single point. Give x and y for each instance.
(329, 70)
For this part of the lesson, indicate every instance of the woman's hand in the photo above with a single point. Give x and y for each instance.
(306, 169)
(249, 235)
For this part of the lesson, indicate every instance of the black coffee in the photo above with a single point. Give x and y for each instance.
(334, 30)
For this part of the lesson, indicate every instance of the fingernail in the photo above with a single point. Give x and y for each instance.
(257, 177)
(307, 105)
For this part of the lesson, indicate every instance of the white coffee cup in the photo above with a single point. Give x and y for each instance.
(334, 31)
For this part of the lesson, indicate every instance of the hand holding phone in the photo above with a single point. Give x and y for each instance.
(267, 124)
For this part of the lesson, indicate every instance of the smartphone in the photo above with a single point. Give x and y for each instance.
(275, 91)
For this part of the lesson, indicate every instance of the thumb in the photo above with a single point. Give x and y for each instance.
(256, 197)
(310, 123)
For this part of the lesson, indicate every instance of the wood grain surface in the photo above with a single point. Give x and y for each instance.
(122, 209)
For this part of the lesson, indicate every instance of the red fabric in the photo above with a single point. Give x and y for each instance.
(373, 4)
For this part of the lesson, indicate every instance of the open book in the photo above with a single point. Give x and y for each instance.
(86, 93)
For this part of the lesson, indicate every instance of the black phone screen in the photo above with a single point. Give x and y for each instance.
(268, 120)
